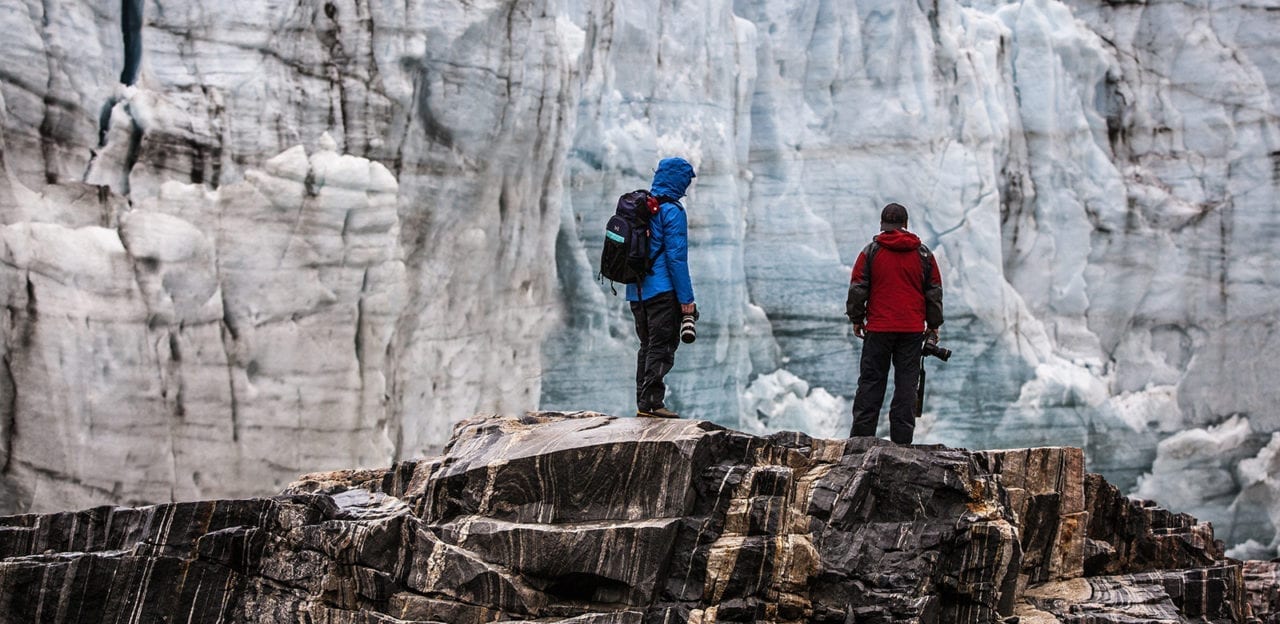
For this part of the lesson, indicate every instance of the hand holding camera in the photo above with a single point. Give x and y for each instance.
(931, 348)
(688, 320)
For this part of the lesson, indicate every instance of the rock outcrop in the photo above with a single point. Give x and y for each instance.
(588, 518)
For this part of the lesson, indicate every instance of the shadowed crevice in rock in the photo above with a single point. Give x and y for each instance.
(588, 518)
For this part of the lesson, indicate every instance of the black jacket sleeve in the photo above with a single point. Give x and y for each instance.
(933, 296)
(855, 306)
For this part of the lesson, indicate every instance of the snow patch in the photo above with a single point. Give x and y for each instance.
(1193, 471)
(1148, 409)
(781, 401)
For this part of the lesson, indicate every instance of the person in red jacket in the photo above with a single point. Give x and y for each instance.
(895, 303)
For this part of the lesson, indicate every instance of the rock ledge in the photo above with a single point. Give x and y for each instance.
(588, 518)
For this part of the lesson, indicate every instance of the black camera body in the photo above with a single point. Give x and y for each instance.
(688, 327)
(931, 348)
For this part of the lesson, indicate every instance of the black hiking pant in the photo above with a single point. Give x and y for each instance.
(658, 327)
(878, 350)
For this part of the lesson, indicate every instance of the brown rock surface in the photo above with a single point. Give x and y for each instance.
(588, 518)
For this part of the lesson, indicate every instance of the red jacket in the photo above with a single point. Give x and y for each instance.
(897, 297)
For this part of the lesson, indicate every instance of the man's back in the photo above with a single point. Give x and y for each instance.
(669, 248)
(894, 296)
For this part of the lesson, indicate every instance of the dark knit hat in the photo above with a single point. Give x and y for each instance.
(893, 217)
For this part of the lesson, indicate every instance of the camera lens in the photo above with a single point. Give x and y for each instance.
(688, 332)
(932, 348)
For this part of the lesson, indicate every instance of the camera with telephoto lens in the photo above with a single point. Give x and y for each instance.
(931, 348)
(688, 330)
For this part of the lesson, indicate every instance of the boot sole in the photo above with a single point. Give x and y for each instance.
(653, 415)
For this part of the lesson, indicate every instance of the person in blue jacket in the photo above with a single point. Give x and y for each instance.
(661, 298)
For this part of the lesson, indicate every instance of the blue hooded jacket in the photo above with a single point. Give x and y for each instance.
(670, 234)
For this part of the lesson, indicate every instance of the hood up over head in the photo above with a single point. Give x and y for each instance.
(672, 178)
(898, 240)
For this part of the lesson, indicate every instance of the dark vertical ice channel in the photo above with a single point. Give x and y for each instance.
(131, 27)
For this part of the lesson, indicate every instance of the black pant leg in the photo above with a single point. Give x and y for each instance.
(642, 332)
(661, 338)
(906, 377)
(873, 377)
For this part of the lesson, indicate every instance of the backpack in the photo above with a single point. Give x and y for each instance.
(625, 258)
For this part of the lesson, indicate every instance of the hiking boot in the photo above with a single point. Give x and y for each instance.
(660, 412)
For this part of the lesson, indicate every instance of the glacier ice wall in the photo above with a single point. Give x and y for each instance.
(199, 307)
(1099, 181)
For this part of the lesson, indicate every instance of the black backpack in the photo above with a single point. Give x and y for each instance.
(625, 257)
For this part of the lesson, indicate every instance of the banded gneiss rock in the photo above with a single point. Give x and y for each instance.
(582, 517)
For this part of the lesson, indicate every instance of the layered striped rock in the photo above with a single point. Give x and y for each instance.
(1127, 535)
(591, 518)
(1213, 594)
(1046, 494)
(1262, 579)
